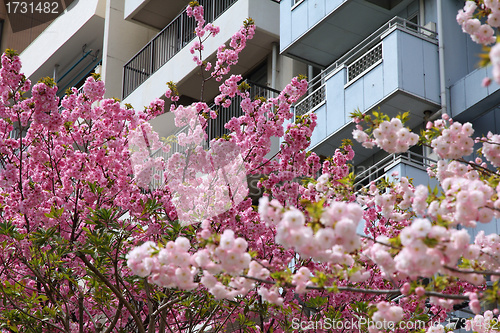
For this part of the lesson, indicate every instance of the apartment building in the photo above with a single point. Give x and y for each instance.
(139, 45)
(392, 55)
(396, 55)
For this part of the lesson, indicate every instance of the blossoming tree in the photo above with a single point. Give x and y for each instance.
(87, 245)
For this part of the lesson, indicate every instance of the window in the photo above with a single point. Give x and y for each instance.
(413, 22)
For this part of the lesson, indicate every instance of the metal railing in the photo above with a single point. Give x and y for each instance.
(313, 99)
(316, 89)
(167, 43)
(215, 126)
(174, 148)
(379, 169)
(364, 63)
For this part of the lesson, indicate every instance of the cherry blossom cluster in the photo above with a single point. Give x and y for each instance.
(228, 56)
(237, 285)
(483, 33)
(204, 183)
(436, 329)
(391, 136)
(485, 251)
(156, 107)
(196, 11)
(403, 193)
(93, 89)
(491, 148)
(82, 179)
(454, 140)
(486, 323)
(467, 198)
(228, 89)
(480, 33)
(174, 266)
(386, 313)
(301, 279)
(418, 259)
(495, 62)
(271, 295)
(330, 243)
(11, 77)
(46, 101)
(143, 141)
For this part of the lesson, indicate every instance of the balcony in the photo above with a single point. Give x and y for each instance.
(167, 58)
(320, 31)
(215, 128)
(396, 69)
(71, 43)
(409, 165)
(154, 13)
(469, 94)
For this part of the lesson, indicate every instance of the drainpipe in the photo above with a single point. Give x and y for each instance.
(274, 67)
(442, 74)
(56, 68)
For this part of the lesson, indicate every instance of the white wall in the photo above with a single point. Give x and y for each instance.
(122, 39)
(59, 32)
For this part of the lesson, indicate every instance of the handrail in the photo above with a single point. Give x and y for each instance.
(378, 170)
(372, 39)
(167, 43)
(352, 55)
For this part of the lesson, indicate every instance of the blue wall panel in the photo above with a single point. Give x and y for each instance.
(493, 86)
(299, 20)
(320, 131)
(390, 63)
(316, 11)
(496, 112)
(335, 101)
(373, 86)
(431, 70)
(354, 97)
(332, 4)
(474, 91)
(285, 23)
(457, 98)
(484, 124)
(412, 64)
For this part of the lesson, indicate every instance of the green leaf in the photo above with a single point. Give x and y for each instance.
(316, 302)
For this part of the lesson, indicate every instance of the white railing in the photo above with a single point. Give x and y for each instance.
(174, 148)
(379, 169)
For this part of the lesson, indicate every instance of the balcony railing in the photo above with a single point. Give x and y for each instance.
(215, 126)
(359, 60)
(379, 169)
(167, 43)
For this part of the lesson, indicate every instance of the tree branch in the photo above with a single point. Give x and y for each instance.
(137, 320)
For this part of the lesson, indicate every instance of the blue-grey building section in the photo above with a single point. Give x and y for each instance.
(324, 33)
(319, 31)
(405, 79)
(469, 98)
